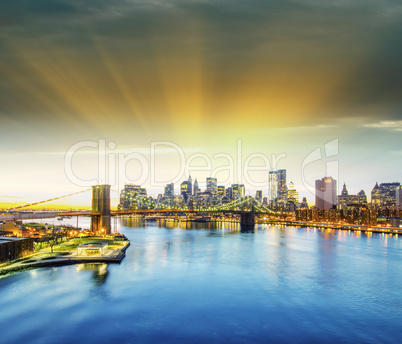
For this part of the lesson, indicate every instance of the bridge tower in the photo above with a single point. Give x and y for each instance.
(101, 221)
(247, 219)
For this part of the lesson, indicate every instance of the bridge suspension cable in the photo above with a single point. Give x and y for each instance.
(48, 200)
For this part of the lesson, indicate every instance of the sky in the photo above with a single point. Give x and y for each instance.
(182, 81)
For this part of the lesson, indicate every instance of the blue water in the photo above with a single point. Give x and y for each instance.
(183, 285)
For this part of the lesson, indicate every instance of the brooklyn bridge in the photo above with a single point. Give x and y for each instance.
(246, 208)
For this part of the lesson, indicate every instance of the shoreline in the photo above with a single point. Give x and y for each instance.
(334, 226)
(113, 258)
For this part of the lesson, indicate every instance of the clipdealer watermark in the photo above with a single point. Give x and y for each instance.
(236, 168)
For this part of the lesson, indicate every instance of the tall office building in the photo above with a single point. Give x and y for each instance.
(212, 186)
(399, 196)
(196, 189)
(388, 194)
(229, 193)
(384, 195)
(221, 190)
(258, 195)
(293, 195)
(278, 190)
(133, 197)
(184, 190)
(375, 195)
(190, 186)
(128, 196)
(325, 193)
(238, 191)
(169, 190)
(273, 186)
(242, 190)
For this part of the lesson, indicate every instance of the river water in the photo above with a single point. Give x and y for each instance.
(197, 283)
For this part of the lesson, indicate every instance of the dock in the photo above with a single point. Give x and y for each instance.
(114, 257)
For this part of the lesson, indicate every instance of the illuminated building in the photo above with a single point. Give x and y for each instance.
(278, 191)
(202, 200)
(258, 195)
(212, 186)
(229, 193)
(221, 191)
(238, 191)
(273, 186)
(344, 199)
(385, 194)
(196, 188)
(388, 194)
(169, 191)
(190, 186)
(304, 203)
(293, 195)
(92, 249)
(133, 197)
(225, 199)
(325, 193)
(146, 202)
(375, 196)
(128, 195)
(399, 196)
(10, 228)
(215, 200)
(362, 197)
(184, 190)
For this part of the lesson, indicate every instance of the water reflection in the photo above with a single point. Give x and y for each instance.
(195, 282)
(135, 222)
(99, 278)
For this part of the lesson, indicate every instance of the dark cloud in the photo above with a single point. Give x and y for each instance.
(238, 43)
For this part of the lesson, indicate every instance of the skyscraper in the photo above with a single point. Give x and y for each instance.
(129, 196)
(278, 190)
(212, 186)
(229, 193)
(258, 195)
(190, 186)
(196, 188)
(133, 197)
(399, 196)
(325, 193)
(375, 195)
(221, 190)
(273, 186)
(385, 194)
(169, 190)
(293, 195)
(238, 191)
(388, 194)
(184, 190)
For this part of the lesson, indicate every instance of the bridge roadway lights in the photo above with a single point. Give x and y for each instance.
(101, 223)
